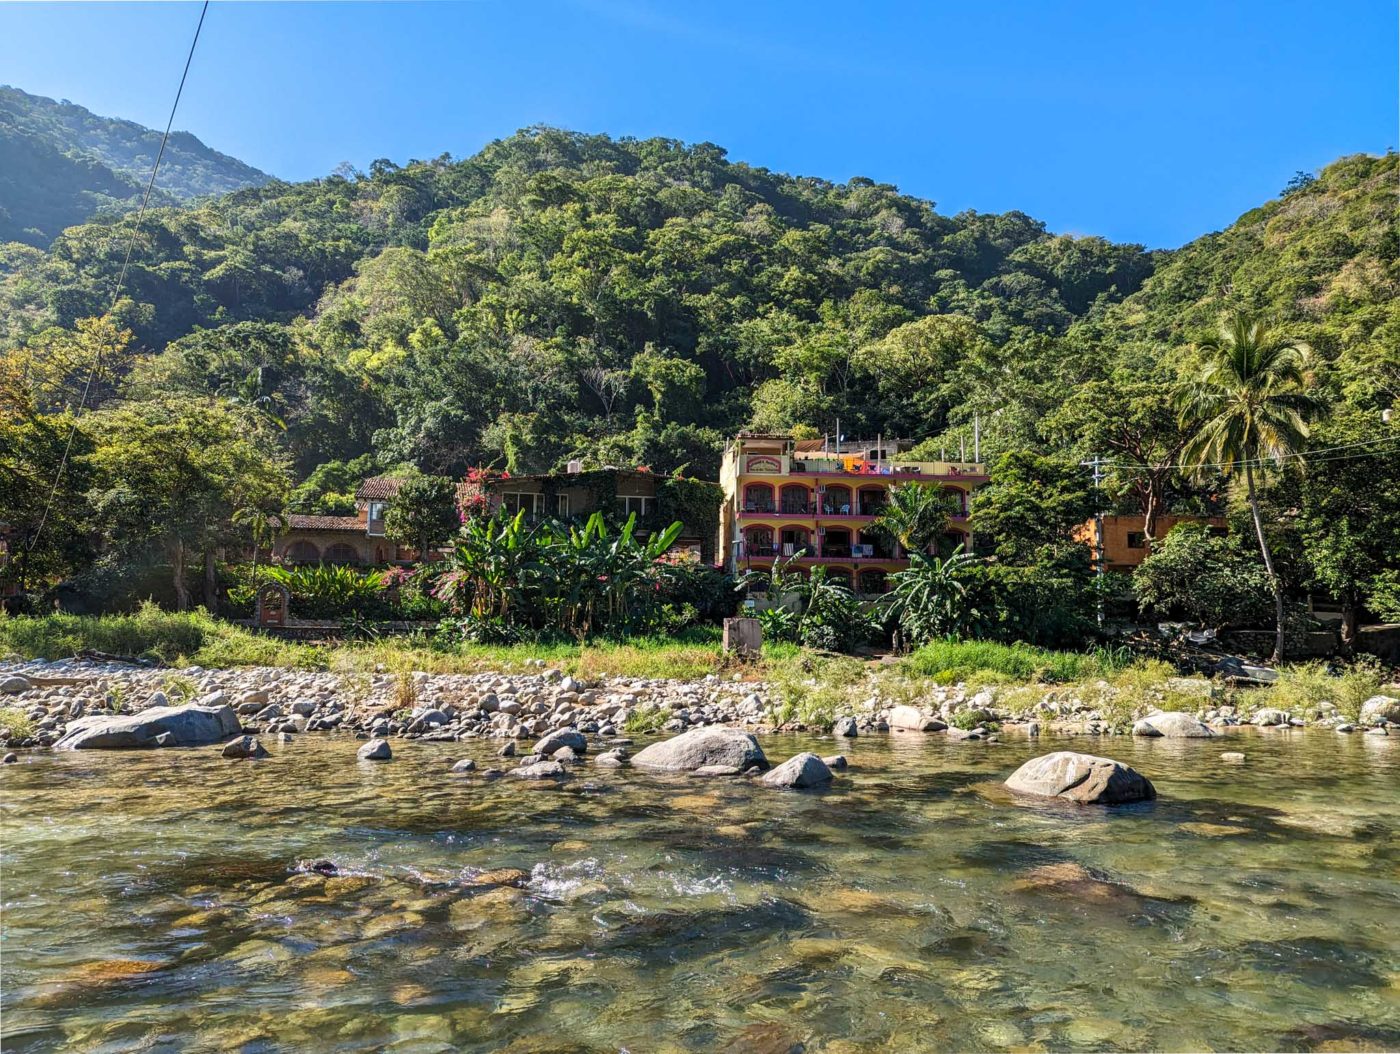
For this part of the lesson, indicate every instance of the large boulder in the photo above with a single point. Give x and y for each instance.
(845, 727)
(14, 684)
(1269, 717)
(1380, 708)
(799, 771)
(912, 719)
(562, 737)
(1081, 778)
(1172, 725)
(700, 748)
(375, 750)
(180, 726)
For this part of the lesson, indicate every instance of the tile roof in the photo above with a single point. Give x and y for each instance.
(298, 522)
(378, 488)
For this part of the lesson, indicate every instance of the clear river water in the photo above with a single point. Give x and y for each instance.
(153, 901)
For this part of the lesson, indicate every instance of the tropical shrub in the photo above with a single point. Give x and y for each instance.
(328, 591)
(929, 598)
(1211, 581)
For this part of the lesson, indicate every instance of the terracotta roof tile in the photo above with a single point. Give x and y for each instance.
(298, 522)
(378, 488)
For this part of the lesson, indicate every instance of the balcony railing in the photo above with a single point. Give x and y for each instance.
(796, 508)
(760, 506)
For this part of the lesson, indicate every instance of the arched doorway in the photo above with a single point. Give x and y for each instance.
(758, 497)
(302, 552)
(341, 553)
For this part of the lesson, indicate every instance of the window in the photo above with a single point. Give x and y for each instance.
(514, 501)
(1137, 540)
(561, 506)
(376, 518)
(629, 503)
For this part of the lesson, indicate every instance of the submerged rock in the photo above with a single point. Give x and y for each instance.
(465, 765)
(9, 759)
(800, 771)
(1172, 725)
(1232, 755)
(540, 770)
(1081, 778)
(375, 750)
(180, 726)
(702, 747)
(245, 747)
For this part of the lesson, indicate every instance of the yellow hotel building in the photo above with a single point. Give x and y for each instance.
(783, 496)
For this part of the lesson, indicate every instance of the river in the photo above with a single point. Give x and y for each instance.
(152, 901)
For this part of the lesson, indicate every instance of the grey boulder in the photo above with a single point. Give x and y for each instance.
(1380, 708)
(702, 747)
(1081, 778)
(563, 737)
(1172, 725)
(1269, 717)
(178, 726)
(465, 765)
(845, 727)
(14, 684)
(912, 719)
(244, 747)
(375, 750)
(798, 772)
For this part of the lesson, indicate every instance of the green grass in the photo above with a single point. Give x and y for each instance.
(15, 725)
(987, 662)
(1302, 686)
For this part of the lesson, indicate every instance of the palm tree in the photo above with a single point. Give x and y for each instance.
(1249, 403)
(916, 515)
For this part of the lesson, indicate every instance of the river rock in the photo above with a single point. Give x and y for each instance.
(465, 765)
(375, 750)
(912, 719)
(507, 751)
(1268, 717)
(1380, 708)
(561, 737)
(1172, 725)
(186, 726)
(540, 770)
(1081, 778)
(244, 747)
(845, 727)
(611, 759)
(1232, 755)
(14, 684)
(9, 759)
(700, 747)
(836, 761)
(800, 771)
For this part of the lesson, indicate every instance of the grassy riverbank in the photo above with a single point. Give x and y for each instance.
(805, 686)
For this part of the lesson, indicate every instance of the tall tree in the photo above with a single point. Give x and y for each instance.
(423, 512)
(1249, 403)
(171, 474)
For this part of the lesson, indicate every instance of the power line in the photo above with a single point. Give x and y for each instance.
(1305, 455)
(117, 289)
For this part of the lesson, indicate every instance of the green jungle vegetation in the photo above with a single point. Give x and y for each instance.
(633, 302)
(60, 164)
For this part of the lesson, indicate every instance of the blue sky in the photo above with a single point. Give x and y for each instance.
(1141, 121)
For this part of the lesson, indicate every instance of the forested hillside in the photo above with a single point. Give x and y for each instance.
(563, 296)
(60, 164)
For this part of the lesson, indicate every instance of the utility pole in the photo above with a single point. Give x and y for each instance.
(1100, 555)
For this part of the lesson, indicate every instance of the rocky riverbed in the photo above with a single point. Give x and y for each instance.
(518, 708)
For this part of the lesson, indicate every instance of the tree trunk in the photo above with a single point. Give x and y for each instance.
(1149, 514)
(1268, 564)
(1351, 612)
(211, 582)
(177, 567)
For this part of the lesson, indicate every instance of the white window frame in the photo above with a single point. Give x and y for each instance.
(561, 506)
(536, 503)
(627, 506)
